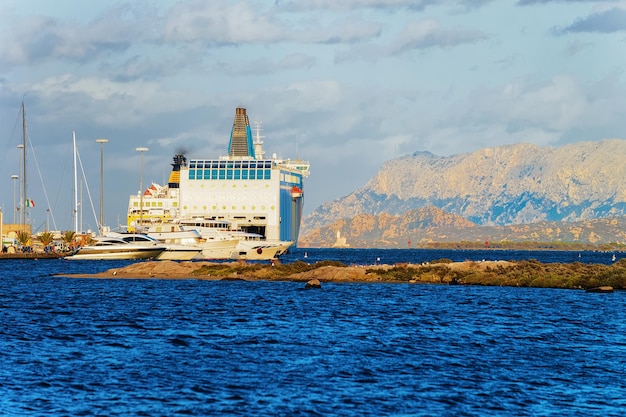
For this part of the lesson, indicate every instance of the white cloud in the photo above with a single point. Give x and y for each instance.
(429, 33)
(35, 39)
(221, 23)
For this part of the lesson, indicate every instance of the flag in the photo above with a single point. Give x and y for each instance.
(30, 203)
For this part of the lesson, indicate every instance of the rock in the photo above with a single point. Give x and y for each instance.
(600, 289)
(313, 283)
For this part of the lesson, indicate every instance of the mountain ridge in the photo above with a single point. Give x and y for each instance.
(493, 187)
(426, 226)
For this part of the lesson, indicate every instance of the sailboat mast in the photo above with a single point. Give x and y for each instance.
(75, 185)
(23, 197)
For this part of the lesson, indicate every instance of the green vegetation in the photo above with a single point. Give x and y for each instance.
(530, 273)
(526, 245)
(23, 238)
(68, 239)
(278, 271)
(46, 238)
(520, 274)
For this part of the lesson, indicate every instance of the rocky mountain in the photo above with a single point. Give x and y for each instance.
(505, 185)
(425, 226)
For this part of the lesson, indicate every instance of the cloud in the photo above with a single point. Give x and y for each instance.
(553, 105)
(607, 21)
(531, 2)
(226, 24)
(429, 33)
(266, 65)
(340, 31)
(308, 5)
(37, 39)
(383, 5)
(106, 102)
(221, 23)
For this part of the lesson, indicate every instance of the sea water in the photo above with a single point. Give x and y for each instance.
(165, 347)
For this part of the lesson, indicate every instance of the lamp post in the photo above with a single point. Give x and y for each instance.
(101, 142)
(14, 178)
(141, 150)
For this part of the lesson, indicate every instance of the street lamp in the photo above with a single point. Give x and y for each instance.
(101, 142)
(14, 178)
(142, 150)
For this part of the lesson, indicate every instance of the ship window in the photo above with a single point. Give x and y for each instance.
(268, 164)
(222, 164)
(237, 164)
(268, 174)
(214, 164)
(237, 174)
(192, 174)
(229, 164)
(252, 164)
(222, 174)
(244, 164)
(207, 174)
(244, 174)
(229, 174)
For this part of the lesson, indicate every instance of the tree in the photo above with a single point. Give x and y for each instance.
(23, 238)
(46, 238)
(68, 239)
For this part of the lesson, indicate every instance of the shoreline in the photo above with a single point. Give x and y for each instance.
(32, 255)
(482, 273)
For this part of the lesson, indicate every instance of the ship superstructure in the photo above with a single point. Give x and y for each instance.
(244, 189)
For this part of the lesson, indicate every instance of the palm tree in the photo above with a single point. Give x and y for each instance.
(46, 238)
(23, 238)
(68, 239)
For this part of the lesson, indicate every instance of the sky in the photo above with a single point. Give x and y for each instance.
(346, 85)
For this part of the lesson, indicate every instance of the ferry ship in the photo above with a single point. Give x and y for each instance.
(244, 196)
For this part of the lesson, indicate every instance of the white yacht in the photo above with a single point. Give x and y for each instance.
(250, 246)
(172, 252)
(115, 248)
(210, 248)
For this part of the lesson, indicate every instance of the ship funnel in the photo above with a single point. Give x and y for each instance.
(241, 144)
(174, 181)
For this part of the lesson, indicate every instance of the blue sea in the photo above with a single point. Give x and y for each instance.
(142, 347)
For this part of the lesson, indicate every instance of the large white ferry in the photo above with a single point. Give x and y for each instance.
(258, 199)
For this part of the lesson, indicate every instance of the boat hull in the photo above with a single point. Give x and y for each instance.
(131, 253)
(260, 250)
(179, 254)
(218, 249)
